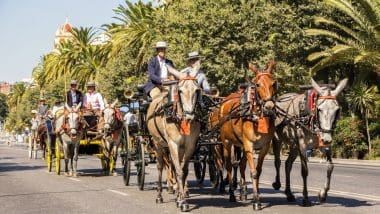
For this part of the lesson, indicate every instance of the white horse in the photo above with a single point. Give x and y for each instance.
(68, 129)
(316, 132)
(179, 133)
(113, 127)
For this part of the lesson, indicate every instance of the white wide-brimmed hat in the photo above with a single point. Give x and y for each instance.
(194, 55)
(73, 82)
(91, 84)
(34, 111)
(161, 44)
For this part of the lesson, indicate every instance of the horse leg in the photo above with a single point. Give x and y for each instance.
(288, 168)
(177, 155)
(330, 167)
(236, 158)
(160, 162)
(170, 174)
(305, 172)
(227, 157)
(277, 163)
(75, 157)
(35, 148)
(218, 157)
(66, 151)
(185, 168)
(114, 173)
(256, 177)
(243, 185)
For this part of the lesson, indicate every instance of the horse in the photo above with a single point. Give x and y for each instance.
(42, 137)
(68, 129)
(178, 133)
(111, 139)
(302, 131)
(247, 131)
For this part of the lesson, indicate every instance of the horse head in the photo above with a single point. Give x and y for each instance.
(189, 93)
(73, 119)
(265, 87)
(109, 114)
(327, 108)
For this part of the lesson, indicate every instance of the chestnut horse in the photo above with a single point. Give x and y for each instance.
(248, 131)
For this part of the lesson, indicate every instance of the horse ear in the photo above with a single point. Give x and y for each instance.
(67, 107)
(271, 66)
(316, 86)
(78, 106)
(342, 84)
(253, 68)
(114, 103)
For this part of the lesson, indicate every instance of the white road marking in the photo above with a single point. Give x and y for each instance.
(118, 192)
(74, 179)
(335, 192)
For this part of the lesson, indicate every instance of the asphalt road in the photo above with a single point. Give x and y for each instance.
(27, 187)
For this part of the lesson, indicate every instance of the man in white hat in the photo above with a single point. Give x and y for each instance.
(74, 96)
(194, 70)
(157, 70)
(93, 100)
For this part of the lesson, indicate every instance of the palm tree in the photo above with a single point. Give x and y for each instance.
(356, 43)
(137, 29)
(363, 100)
(77, 58)
(14, 98)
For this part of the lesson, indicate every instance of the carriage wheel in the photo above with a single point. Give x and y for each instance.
(141, 165)
(57, 158)
(126, 156)
(200, 170)
(214, 174)
(48, 158)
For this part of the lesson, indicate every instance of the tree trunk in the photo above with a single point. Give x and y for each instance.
(368, 134)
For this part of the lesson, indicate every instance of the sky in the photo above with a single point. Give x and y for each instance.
(27, 29)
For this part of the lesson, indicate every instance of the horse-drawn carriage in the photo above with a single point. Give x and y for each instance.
(89, 143)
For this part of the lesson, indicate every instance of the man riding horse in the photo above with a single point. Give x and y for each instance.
(157, 70)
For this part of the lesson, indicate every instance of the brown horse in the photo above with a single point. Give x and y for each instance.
(248, 127)
(42, 137)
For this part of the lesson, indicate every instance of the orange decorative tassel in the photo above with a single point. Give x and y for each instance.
(185, 127)
(263, 125)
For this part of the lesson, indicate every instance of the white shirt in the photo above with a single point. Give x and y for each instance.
(74, 96)
(164, 69)
(93, 101)
(56, 108)
(130, 118)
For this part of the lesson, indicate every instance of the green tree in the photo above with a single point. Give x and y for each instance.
(136, 29)
(357, 41)
(363, 100)
(3, 107)
(14, 98)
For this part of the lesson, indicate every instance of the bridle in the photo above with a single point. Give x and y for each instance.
(180, 102)
(316, 114)
(258, 100)
(110, 123)
(66, 125)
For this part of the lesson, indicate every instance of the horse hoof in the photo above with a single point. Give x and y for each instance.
(159, 200)
(170, 190)
(222, 191)
(185, 207)
(232, 198)
(276, 185)
(66, 174)
(306, 203)
(114, 174)
(257, 206)
(178, 203)
(75, 175)
(187, 194)
(291, 198)
(243, 197)
(322, 195)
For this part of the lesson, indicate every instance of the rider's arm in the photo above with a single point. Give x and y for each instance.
(101, 102)
(204, 83)
(155, 78)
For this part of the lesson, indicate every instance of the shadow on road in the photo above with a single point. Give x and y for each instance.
(199, 199)
(9, 167)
